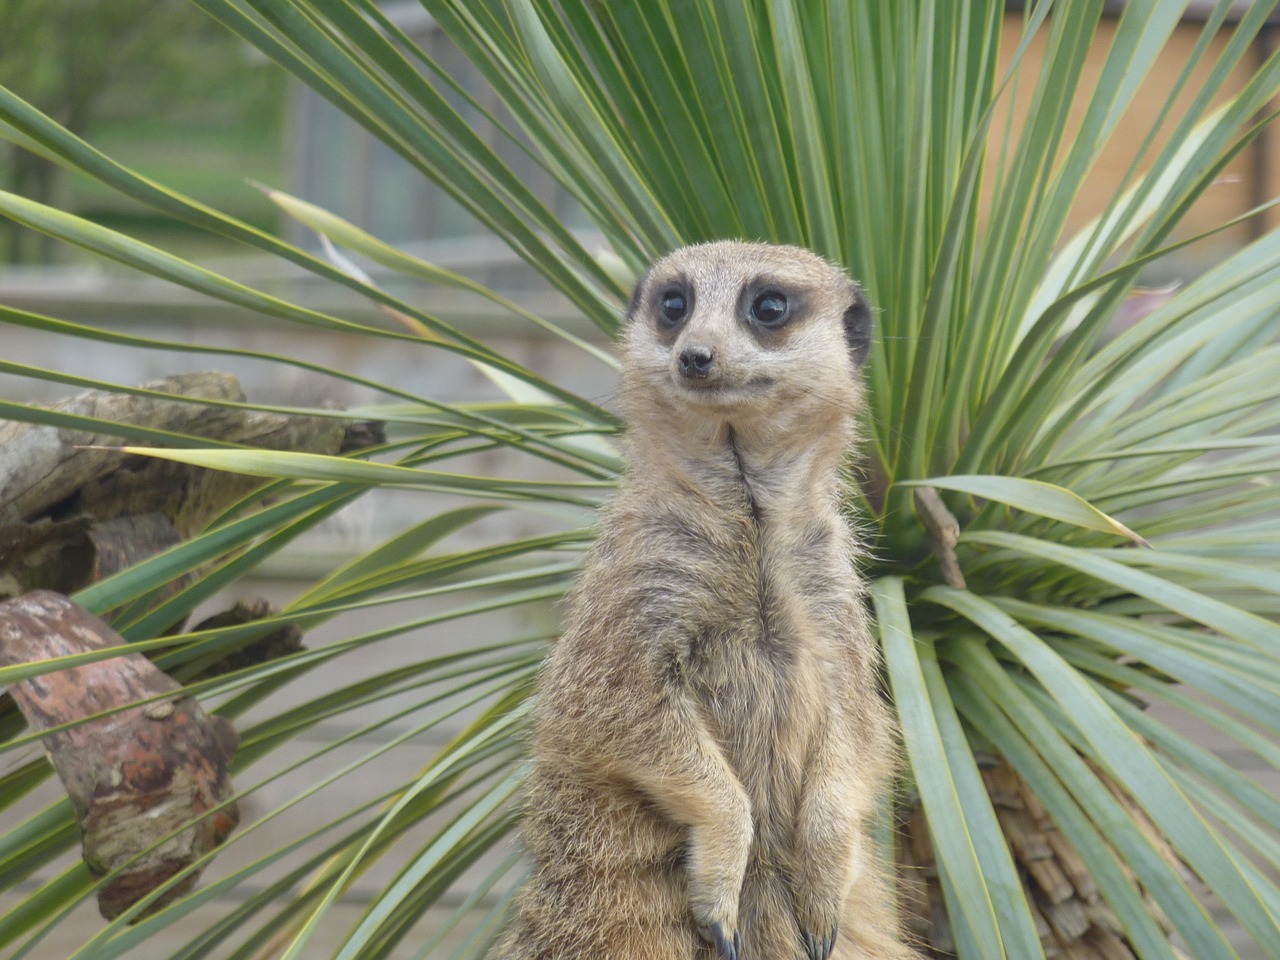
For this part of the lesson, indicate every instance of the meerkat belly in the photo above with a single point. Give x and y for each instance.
(761, 689)
(763, 720)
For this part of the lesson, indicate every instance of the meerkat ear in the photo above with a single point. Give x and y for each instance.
(633, 305)
(857, 328)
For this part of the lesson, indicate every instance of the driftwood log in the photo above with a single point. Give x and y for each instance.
(70, 516)
(142, 778)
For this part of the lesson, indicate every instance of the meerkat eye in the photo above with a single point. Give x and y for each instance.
(674, 307)
(769, 308)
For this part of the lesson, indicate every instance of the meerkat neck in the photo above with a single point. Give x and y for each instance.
(787, 481)
(745, 477)
(726, 465)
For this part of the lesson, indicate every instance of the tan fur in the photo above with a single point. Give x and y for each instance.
(710, 738)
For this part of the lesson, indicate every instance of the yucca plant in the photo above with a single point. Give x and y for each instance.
(1064, 523)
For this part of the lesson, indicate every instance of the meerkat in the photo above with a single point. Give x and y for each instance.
(710, 738)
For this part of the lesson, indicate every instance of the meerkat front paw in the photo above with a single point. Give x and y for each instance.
(717, 862)
(717, 923)
(828, 861)
(818, 919)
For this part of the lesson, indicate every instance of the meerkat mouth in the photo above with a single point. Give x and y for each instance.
(721, 392)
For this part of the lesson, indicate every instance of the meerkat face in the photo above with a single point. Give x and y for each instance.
(742, 327)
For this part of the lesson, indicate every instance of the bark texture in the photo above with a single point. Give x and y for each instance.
(71, 515)
(148, 780)
(1072, 919)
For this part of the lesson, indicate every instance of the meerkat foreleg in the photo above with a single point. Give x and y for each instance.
(682, 769)
(828, 843)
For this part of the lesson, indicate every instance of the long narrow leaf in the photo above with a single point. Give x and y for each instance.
(1127, 759)
(1034, 496)
(939, 791)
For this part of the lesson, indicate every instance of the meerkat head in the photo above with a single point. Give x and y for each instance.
(745, 333)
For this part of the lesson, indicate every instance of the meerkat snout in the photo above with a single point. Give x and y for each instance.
(697, 362)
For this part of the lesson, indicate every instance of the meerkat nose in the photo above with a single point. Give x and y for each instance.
(696, 362)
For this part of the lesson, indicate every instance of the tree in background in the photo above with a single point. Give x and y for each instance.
(92, 66)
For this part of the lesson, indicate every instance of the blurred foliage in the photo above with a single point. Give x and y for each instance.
(144, 77)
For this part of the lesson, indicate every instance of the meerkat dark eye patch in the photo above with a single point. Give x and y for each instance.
(769, 308)
(857, 328)
(672, 308)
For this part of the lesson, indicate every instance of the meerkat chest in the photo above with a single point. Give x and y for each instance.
(768, 637)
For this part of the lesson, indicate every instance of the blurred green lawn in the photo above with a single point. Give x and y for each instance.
(213, 164)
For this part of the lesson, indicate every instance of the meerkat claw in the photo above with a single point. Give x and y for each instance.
(820, 949)
(726, 948)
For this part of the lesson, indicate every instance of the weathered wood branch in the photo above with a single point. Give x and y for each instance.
(70, 516)
(944, 534)
(134, 776)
